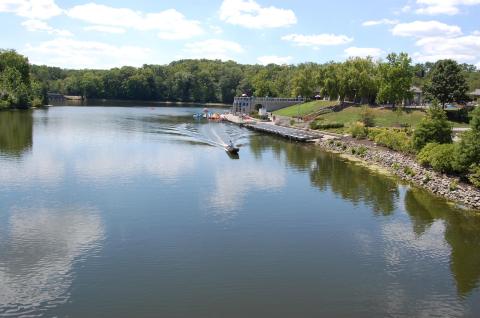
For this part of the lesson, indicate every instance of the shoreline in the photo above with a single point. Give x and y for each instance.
(406, 169)
(399, 165)
(100, 101)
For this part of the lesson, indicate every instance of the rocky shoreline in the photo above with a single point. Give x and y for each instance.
(406, 168)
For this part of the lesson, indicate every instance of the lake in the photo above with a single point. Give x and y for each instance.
(139, 212)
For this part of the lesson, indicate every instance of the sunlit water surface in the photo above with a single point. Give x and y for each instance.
(139, 212)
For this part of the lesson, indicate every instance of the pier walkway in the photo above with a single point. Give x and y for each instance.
(286, 132)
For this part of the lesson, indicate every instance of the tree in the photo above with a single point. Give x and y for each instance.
(446, 83)
(15, 84)
(395, 79)
(304, 81)
(469, 149)
(434, 128)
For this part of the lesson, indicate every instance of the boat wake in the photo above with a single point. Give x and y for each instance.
(212, 134)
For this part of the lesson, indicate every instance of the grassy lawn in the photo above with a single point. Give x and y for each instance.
(305, 108)
(383, 117)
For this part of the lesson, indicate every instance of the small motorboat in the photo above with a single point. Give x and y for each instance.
(230, 148)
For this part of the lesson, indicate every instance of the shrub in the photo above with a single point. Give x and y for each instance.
(433, 128)
(469, 149)
(474, 175)
(409, 171)
(358, 130)
(427, 178)
(37, 102)
(325, 125)
(393, 139)
(441, 157)
(362, 150)
(373, 132)
(453, 185)
(367, 117)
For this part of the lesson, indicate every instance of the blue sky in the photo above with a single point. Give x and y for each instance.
(104, 34)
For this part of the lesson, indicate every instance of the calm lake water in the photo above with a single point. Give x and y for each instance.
(138, 212)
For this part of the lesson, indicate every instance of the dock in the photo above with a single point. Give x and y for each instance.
(285, 132)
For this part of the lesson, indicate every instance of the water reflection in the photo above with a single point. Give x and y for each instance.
(38, 250)
(15, 132)
(462, 233)
(439, 231)
(328, 171)
(108, 164)
(232, 187)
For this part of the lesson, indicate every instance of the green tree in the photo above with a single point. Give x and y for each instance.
(469, 146)
(304, 81)
(434, 128)
(395, 79)
(15, 84)
(446, 83)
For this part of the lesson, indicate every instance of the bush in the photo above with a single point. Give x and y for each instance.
(441, 157)
(474, 175)
(395, 140)
(367, 117)
(362, 150)
(409, 171)
(373, 132)
(358, 130)
(325, 125)
(453, 185)
(469, 149)
(433, 128)
(37, 102)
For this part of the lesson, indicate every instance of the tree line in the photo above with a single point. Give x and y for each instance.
(361, 80)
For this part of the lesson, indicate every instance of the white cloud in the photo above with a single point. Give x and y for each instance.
(463, 49)
(363, 52)
(426, 29)
(317, 40)
(213, 49)
(39, 25)
(273, 59)
(31, 9)
(436, 41)
(170, 24)
(250, 14)
(406, 8)
(380, 22)
(215, 29)
(449, 7)
(104, 29)
(65, 52)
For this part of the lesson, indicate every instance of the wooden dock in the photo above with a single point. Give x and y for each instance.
(285, 132)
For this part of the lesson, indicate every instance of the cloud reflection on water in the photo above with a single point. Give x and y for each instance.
(232, 187)
(38, 252)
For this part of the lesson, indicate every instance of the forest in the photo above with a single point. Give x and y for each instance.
(361, 80)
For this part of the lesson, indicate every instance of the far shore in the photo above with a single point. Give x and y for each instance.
(100, 101)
